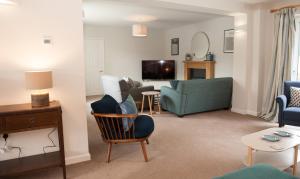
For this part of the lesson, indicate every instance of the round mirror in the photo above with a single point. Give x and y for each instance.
(200, 45)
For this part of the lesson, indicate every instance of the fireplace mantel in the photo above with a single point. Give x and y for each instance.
(209, 66)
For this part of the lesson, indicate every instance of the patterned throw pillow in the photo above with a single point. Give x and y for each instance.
(295, 97)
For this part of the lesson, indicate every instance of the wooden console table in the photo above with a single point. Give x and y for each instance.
(208, 66)
(22, 117)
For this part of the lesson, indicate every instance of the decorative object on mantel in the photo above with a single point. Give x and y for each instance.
(200, 45)
(229, 41)
(210, 56)
(39, 82)
(139, 30)
(188, 57)
(175, 46)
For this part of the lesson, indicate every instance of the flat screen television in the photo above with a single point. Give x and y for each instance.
(158, 69)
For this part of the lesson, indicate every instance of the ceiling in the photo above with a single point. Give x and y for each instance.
(117, 13)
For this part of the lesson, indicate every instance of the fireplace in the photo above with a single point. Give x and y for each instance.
(197, 73)
(199, 69)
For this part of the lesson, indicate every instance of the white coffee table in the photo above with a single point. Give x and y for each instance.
(282, 154)
(151, 95)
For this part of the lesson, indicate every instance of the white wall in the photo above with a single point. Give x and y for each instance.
(124, 53)
(214, 28)
(22, 29)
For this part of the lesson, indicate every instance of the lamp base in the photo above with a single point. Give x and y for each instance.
(40, 100)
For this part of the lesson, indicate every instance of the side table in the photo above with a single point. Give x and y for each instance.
(151, 95)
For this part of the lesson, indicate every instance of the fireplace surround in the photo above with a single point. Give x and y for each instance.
(199, 70)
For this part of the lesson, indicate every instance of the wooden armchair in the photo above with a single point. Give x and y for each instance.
(114, 132)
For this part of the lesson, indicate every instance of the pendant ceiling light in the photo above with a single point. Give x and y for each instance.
(139, 30)
(7, 2)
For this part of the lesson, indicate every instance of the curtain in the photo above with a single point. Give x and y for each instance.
(280, 67)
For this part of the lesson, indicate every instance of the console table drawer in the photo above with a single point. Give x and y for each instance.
(1, 125)
(30, 121)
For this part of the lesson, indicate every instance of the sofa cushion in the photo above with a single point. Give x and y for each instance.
(287, 87)
(107, 105)
(129, 81)
(259, 171)
(128, 107)
(292, 114)
(124, 89)
(295, 97)
(111, 87)
(174, 84)
(144, 126)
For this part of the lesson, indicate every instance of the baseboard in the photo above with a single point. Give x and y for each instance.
(240, 111)
(78, 158)
(252, 113)
(244, 112)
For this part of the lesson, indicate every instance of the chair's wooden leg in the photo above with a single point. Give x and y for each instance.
(144, 151)
(158, 103)
(109, 152)
(147, 141)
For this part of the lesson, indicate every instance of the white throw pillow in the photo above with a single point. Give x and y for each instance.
(295, 97)
(111, 87)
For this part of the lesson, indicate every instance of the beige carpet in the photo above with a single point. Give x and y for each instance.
(197, 146)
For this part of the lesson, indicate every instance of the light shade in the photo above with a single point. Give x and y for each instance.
(8, 2)
(38, 80)
(139, 30)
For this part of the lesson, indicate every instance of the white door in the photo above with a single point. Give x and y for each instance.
(94, 65)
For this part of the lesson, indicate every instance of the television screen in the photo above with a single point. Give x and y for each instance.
(158, 69)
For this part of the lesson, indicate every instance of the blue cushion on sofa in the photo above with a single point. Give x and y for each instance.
(174, 84)
(107, 105)
(144, 126)
(128, 107)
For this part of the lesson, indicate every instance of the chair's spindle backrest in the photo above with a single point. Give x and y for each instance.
(112, 128)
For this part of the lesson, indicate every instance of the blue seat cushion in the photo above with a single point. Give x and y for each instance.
(144, 126)
(292, 114)
(259, 171)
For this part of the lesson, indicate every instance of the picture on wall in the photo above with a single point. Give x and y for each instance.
(229, 41)
(175, 46)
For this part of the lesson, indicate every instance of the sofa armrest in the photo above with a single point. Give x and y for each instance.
(171, 100)
(282, 101)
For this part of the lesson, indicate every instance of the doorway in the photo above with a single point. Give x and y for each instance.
(94, 65)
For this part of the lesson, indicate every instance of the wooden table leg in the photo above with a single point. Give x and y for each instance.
(158, 103)
(150, 104)
(295, 160)
(142, 108)
(250, 156)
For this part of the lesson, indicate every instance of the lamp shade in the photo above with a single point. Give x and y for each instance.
(37, 80)
(139, 30)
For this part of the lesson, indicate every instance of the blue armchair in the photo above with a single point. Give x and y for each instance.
(288, 115)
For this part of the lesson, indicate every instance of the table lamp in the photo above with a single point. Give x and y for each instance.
(39, 82)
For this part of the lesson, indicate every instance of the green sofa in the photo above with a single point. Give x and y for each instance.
(260, 171)
(193, 96)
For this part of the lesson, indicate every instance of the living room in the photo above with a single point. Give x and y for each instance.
(121, 49)
(46, 41)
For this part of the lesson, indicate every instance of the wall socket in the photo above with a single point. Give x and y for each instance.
(47, 40)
